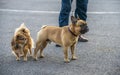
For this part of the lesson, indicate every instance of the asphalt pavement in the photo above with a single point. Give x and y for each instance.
(99, 56)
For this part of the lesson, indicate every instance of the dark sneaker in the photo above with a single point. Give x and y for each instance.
(57, 45)
(82, 39)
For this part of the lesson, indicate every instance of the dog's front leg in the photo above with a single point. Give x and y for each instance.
(17, 56)
(73, 52)
(25, 53)
(35, 53)
(30, 51)
(21, 53)
(66, 55)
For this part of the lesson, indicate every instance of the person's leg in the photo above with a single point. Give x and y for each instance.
(64, 13)
(81, 12)
(81, 9)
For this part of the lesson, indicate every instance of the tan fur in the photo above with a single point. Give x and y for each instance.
(59, 35)
(22, 42)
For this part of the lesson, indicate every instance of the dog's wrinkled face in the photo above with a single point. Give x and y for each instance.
(80, 26)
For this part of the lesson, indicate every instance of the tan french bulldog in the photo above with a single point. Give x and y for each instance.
(66, 36)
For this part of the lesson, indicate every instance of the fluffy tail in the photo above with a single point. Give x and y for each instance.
(22, 26)
(39, 33)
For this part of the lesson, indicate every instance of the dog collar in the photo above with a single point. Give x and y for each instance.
(71, 32)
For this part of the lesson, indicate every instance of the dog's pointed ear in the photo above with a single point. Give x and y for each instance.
(73, 19)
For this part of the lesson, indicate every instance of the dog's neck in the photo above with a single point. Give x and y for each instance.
(72, 32)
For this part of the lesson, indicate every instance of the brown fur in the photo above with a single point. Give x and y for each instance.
(22, 42)
(61, 36)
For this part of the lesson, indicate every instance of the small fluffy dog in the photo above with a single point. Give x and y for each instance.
(22, 42)
(66, 36)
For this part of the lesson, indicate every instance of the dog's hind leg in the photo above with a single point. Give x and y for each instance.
(30, 51)
(43, 45)
(38, 44)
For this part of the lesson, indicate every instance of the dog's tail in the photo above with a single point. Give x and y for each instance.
(40, 32)
(44, 26)
(22, 26)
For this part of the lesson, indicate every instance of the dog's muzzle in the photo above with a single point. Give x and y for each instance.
(84, 30)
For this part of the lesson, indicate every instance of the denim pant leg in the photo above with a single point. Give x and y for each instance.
(81, 9)
(64, 13)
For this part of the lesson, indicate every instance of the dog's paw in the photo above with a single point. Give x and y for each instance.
(41, 56)
(18, 59)
(21, 55)
(74, 58)
(25, 58)
(30, 55)
(66, 60)
(35, 58)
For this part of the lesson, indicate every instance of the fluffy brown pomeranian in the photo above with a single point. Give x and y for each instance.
(22, 42)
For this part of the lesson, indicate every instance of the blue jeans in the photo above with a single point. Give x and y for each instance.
(81, 10)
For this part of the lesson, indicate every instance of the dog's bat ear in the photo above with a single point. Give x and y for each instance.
(73, 19)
